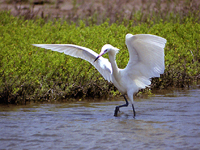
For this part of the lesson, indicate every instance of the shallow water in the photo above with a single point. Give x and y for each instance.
(165, 121)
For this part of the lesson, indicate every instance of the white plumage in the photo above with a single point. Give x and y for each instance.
(146, 60)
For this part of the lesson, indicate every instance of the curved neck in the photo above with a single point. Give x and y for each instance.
(115, 68)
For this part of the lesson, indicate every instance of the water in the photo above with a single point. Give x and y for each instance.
(165, 121)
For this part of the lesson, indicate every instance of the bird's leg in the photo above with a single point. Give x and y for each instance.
(117, 107)
(133, 111)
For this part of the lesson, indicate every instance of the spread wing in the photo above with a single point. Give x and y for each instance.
(146, 57)
(102, 64)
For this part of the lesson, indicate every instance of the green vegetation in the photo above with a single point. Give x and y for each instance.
(30, 73)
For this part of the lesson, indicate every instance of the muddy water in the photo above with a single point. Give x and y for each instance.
(165, 121)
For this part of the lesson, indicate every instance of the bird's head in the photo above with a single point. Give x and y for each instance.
(105, 49)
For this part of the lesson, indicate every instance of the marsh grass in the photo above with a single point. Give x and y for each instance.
(32, 74)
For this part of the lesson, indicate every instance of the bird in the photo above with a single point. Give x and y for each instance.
(146, 60)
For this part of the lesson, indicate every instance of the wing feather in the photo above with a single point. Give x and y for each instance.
(102, 64)
(146, 57)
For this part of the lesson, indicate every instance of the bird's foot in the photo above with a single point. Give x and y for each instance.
(134, 113)
(116, 111)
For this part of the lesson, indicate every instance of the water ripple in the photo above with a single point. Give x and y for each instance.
(164, 121)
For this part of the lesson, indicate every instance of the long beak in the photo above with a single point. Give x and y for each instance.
(97, 57)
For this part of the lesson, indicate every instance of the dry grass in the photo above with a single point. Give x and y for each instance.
(97, 11)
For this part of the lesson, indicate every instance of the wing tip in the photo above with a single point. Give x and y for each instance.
(129, 35)
(37, 45)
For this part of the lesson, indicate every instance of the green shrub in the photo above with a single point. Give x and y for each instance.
(31, 73)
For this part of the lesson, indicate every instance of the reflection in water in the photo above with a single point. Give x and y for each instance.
(168, 121)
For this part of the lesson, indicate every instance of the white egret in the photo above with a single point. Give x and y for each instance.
(146, 60)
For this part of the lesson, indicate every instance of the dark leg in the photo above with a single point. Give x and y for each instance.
(117, 107)
(133, 111)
